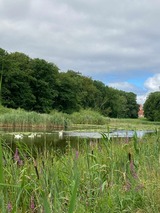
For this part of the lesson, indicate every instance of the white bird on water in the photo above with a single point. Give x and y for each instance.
(18, 136)
(32, 135)
(61, 134)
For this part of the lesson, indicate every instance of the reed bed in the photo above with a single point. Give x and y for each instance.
(88, 117)
(22, 119)
(84, 119)
(110, 175)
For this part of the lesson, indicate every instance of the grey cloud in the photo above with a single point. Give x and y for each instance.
(14, 10)
(98, 36)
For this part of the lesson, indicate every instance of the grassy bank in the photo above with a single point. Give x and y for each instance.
(85, 119)
(109, 176)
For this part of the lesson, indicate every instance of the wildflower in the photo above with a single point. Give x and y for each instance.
(17, 158)
(16, 155)
(32, 205)
(20, 162)
(9, 207)
(77, 154)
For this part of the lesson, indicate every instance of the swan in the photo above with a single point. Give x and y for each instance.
(60, 134)
(32, 135)
(18, 136)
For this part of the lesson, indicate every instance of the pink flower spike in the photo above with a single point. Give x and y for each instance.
(16, 155)
(9, 207)
(32, 203)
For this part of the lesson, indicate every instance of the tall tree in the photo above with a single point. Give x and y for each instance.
(44, 84)
(16, 91)
(152, 107)
(68, 99)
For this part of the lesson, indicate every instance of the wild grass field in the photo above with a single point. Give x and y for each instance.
(111, 175)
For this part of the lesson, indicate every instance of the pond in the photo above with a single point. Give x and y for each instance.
(61, 139)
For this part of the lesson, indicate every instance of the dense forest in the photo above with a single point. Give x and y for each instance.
(37, 85)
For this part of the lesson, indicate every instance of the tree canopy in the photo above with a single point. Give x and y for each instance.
(152, 107)
(37, 85)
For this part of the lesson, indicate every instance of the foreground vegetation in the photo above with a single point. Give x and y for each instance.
(112, 175)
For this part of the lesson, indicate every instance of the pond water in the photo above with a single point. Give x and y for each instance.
(116, 133)
(60, 139)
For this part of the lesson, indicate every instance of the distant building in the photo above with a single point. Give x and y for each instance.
(141, 111)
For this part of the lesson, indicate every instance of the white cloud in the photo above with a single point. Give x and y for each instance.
(153, 83)
(141, 98)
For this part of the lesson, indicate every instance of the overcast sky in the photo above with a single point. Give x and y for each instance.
(114, 41)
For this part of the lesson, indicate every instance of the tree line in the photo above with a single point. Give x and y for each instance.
(37, 85)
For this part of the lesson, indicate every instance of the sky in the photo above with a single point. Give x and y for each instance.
(116, 42)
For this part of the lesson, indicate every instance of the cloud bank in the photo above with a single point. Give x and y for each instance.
(113, 41)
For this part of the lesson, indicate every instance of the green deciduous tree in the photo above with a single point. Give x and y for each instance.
(44, 84)
(152, 107)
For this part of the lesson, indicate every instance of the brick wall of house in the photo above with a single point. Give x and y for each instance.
(141, 111)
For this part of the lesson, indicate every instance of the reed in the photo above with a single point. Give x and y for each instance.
(22, 120)
(88, 117)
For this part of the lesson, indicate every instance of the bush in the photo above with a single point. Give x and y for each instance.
(88, 117)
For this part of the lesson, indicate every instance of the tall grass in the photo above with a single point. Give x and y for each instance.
(22, 119)
(88, 117)
(105, 176)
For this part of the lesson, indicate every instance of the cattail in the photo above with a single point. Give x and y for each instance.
(36, 169)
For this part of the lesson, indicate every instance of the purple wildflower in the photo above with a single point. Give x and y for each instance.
(17, 158)
(9, 207)
(32, 206)
(16, 155)
(77, 154)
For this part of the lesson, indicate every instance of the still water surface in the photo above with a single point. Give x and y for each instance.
(59, 139)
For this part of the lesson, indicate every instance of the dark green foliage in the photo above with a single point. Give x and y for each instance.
(152, 107)
(68, 99)
(44, 84)
(37, 85)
